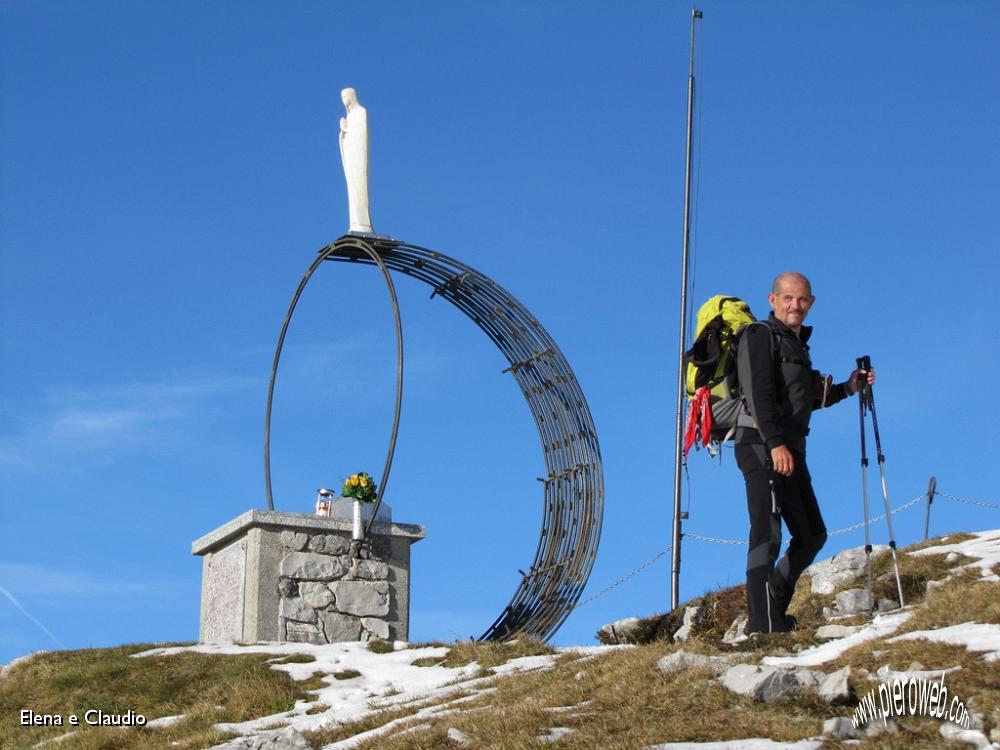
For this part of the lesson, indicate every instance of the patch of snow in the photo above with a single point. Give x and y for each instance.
(973, 635)
(385, 681)
(56, 740)
(881, 626)
(753, 743)
(163, 721)
(5, 668)
(885, 673)
(984, 548)
(424, 713)
(555, 734)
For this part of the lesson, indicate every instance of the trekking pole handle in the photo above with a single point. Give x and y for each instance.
(864, 363)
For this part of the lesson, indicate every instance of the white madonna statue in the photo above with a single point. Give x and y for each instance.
(354, 155)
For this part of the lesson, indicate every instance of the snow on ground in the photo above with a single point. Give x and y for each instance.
(753, 743)
(390, 680)
(973, 635)
(984, 548)
(385, 681)
(880, 627)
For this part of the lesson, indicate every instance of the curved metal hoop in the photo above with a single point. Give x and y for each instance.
(573, 501)
(357, 245)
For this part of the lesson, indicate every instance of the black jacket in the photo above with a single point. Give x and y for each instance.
(779, 385)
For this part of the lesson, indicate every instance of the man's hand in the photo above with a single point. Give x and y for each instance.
(854, 381)
(781, 459)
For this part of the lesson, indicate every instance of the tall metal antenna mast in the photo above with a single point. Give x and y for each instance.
(675, 564)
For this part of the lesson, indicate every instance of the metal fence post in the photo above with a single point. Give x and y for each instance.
(931, 489)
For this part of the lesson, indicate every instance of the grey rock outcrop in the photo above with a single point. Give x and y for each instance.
(619, 631)
(765, 684)
(851, 602)
(829, 632)
(735, 632)
(457, 738)
(841, 727)
(973, 737)
(692, 616)
(682, 659)
(277, 739)
(827, 575)
(835, 688)
(876, 728)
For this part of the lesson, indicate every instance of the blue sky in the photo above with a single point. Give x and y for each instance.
(170, 169)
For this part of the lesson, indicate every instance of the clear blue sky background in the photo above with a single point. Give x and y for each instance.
(169, 170)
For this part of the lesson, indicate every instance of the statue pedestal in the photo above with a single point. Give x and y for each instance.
(270, 576)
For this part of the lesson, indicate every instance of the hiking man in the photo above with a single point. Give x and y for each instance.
(781, 390)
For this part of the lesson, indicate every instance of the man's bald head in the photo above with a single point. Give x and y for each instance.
(793, 276)
(790, 298)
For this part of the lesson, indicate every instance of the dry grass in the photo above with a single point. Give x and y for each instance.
(293, 659)
(939, 540)
(206, 689)
(624, 702)
(428, 661)
(964, 598)
(618, 700)
(346, 674)
(621, 701)
(379, 718)
(494, 653)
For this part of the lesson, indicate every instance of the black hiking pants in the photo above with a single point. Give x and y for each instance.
(769, 586)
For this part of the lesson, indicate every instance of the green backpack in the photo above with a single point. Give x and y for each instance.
(711, 382)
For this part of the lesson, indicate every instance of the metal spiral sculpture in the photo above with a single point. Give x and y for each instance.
(573, 494)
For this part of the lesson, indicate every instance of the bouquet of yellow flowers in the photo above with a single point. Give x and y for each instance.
(360, 486)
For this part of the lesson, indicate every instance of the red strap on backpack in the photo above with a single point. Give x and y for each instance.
(699, 419)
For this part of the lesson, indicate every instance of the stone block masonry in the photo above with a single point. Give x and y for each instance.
(269, 576)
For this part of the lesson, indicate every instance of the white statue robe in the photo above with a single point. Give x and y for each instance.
(354, 154)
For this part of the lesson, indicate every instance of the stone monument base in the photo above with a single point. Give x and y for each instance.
(270, 576)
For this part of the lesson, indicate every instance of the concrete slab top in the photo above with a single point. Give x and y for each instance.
(295, 521)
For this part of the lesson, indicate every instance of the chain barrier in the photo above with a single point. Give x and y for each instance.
(894, 511)
(717, 540)
(844, 530)
(967, 501)
(626, 577)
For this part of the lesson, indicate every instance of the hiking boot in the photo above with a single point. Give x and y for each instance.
(778, 626)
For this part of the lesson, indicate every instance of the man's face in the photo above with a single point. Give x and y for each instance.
(792, 301)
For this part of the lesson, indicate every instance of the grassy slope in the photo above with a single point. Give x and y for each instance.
(618, 699)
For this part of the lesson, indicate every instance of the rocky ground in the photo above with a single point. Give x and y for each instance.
(683, 680)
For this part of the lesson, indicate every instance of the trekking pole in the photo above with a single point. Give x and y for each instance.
(864, 491)
(865, 363)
